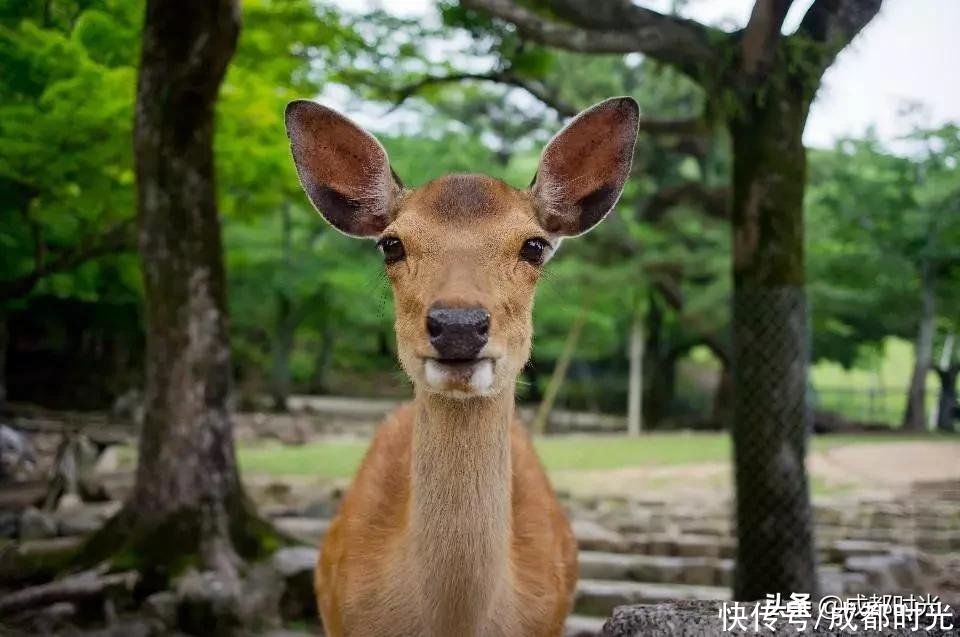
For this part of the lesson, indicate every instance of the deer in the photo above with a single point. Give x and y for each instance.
(451, 526)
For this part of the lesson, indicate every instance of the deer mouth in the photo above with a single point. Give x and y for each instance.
(472, 376)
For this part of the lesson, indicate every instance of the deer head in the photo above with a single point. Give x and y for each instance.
(464, 252)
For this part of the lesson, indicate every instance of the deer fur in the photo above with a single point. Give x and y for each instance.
(451, 526)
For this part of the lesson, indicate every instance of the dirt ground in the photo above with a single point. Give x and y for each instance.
(883, 468)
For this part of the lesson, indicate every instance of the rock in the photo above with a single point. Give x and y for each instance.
(599, 598)
(262, 591)
(162, 606)
(69, 501)
(325, 508)
(877, 569)
(9, 524)
(581, 626)
(309, 530)
(108, 462)
(702, 619)
(17, 459)
(295, 566)
(36, 525)
(84, 519)
(592, 536)
(209, 603)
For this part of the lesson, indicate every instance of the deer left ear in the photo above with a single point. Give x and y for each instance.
(583, 168)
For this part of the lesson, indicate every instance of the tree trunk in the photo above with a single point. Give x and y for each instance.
(770, 346)
(913, 417)
(188, 506)
(947, 405)
(635, 387)
(286, 326)
(4, 342)
(722, 411)
(559, 373)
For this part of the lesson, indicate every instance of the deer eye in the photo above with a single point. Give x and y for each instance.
(392, 249)
(534, 251)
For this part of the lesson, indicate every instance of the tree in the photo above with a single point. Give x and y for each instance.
(884, 234)
(188, 505)
(760, 84)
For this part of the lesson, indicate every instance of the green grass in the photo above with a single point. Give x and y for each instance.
(339, 459)
(887, 372)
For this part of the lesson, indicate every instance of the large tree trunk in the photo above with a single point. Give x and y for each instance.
(188, 505)
(770, 347)
(914, 417)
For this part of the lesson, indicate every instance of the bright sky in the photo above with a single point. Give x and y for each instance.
(908, 54)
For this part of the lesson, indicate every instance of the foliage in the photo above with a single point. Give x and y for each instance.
(310, 303)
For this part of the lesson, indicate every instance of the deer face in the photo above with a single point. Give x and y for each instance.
(464, 252)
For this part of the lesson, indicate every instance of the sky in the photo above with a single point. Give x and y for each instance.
(910, 53)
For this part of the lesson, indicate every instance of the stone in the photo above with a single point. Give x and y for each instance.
(699, 546)
(162, 606)
(876, 568)
(700, 571)
(308, 530)
(599, 598)
(842, 549)
(592, 536)
(295, 566)
(69, 501)
(581, 626)
(36, 525)
(108, 462)
(702, 619)
(208, 603)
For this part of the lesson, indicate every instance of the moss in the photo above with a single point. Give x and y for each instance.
(164, 549)
(18, 567)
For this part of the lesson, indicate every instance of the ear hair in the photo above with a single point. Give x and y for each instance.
(584, 167)
(343, 169)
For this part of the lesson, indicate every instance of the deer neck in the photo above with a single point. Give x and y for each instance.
(461, 508)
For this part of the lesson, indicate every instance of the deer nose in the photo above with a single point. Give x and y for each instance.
(458, 333)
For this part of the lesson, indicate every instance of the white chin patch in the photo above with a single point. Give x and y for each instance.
(459, 379)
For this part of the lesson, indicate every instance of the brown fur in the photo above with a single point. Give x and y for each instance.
(451, 526)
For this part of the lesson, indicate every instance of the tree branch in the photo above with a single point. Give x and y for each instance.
(692, 129)
(758, 43)
(835, 23)
(533, 87)
(612, 26)
(117, 239)
(670, 292)
(713, 201)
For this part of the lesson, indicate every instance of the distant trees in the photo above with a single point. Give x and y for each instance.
(885, 234)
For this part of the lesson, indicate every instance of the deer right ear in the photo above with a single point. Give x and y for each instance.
(343, 169)
(583, 168)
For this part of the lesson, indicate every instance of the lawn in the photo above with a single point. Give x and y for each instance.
(338, 459)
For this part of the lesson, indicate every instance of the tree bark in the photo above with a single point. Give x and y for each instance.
(188, 505)
(286, 326)
(914, 418)
(4, 342)
(947, 405)
(635, 388)
(559, 373)
(770, 346)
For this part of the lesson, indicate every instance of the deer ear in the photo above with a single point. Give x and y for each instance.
(343, 169)
(583, 168)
